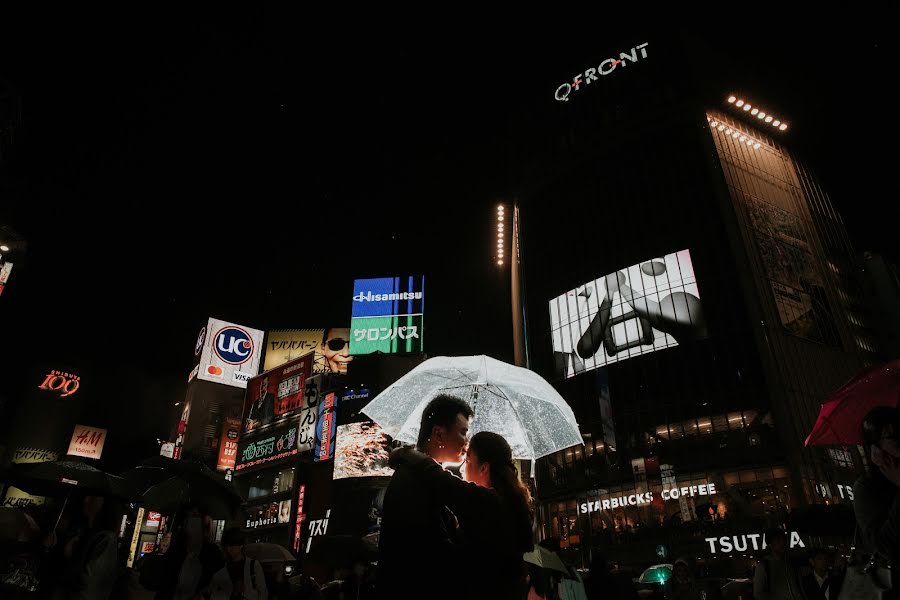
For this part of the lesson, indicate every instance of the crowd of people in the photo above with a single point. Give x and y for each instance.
(446, 536)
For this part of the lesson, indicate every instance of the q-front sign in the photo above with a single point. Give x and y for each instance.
(593, 74)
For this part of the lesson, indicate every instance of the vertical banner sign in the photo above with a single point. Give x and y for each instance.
(228, 443)
(135, 536)
(387, 315)
(325, 429)
(301, 496)
(87, 442)
(5, 270)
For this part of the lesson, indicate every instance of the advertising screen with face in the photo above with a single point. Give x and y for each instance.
(643, 308)
(278, 394)
(333, 354)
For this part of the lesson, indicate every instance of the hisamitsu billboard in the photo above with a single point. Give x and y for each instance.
(387, 315)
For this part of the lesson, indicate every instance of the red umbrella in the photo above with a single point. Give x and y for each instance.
(841, 416)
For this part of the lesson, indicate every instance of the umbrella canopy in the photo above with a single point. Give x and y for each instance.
(511, 401)
(62, 477)
(545, 559)
(342, 550)
(266, 552)
(167, 485)
(841, 416)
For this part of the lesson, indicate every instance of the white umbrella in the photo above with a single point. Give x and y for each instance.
(511, 401)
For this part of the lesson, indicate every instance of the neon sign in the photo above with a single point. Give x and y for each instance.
(603, 69)
(64, 383)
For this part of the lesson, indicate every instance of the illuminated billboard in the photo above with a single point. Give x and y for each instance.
(330, 348)
(229, 353)
(87, 442)
(361, 450)
(387, 315)
(283, 345)
(643, 308)
(277, 394)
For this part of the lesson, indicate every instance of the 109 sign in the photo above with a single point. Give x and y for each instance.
(65, 384)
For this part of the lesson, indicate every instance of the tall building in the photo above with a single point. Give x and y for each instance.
(690, 291)
(881, 287)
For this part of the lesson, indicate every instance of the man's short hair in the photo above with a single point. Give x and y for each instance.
(442, 410)
(232, 537)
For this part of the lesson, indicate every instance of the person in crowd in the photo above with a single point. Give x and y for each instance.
(602, 584)
(493, 507)
(419, 541)
(277, 584)
(876, 494)
(821, 584)
(241, 578)
(682, 585)
(775, 577)
(89, 569)
(210, 555)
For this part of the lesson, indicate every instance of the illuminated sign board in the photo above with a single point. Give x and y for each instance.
(325, 429)
(387, 315)
(65, 384)
(283, 345)
(228, 441)
(5, 270)
(643, 308)
(229, 353)
(87, 442)
(281, 444)
(646, 498)
(744, 543)
(301, 496)
(277, 394)
(593, 74)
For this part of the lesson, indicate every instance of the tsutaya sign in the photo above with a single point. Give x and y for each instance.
(603, 69)
(743, 543)
(645, 498)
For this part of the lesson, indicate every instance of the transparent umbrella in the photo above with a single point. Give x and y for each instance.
(511, 401)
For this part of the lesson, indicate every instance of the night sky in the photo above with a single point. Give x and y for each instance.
(250, 167)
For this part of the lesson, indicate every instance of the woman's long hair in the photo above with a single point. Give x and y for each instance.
(492, 449)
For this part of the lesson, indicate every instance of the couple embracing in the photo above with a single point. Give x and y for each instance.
(446, 537)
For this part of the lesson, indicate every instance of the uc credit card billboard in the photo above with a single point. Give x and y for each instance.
(387, 315)
(229, 353)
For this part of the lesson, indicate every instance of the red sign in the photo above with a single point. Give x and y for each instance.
(300, 517)
(65, 384)
(228, 442)
(277, 394)
(153, 519)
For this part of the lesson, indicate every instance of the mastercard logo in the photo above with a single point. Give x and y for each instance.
(214, 370)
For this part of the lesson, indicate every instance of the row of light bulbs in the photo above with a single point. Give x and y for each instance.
(743, 138)
(762, 116)
(501, 218)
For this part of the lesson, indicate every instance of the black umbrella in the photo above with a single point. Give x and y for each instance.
(342, 550)
(168, 485)
(62, 477)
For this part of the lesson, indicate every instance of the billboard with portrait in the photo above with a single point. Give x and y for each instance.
(649, 306)
(387, 315)
(229, 353)
(278, 394)
(330, 348)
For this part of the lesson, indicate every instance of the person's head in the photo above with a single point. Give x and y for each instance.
(91, 506)
(776, 540)
(335, 347)
(101, 513)
(880, 434)
(818, 560)
(489, 463)
(444, 429)
(263, 386)
(681, 571)
(233, 542)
